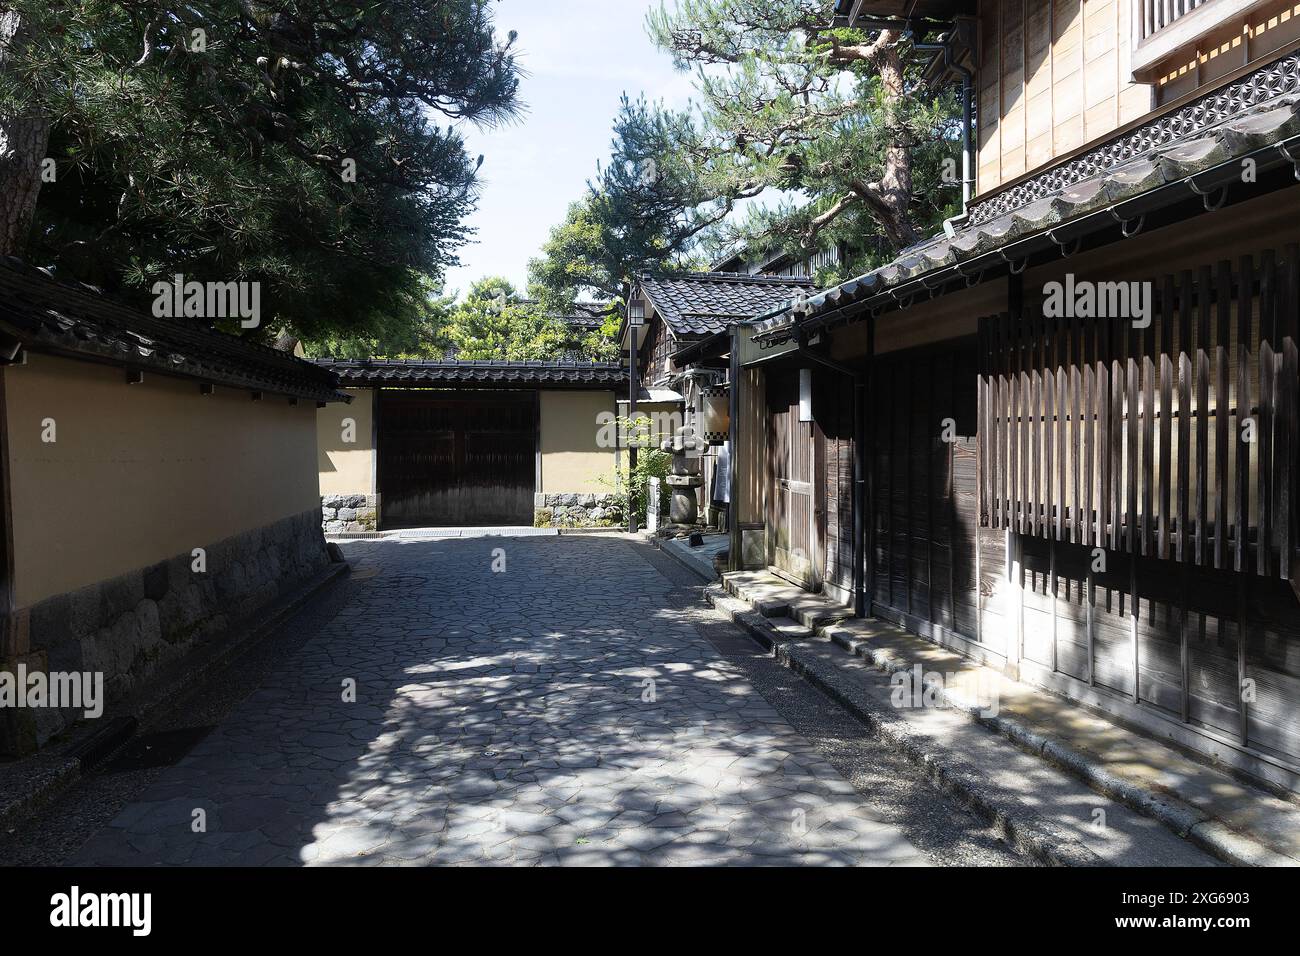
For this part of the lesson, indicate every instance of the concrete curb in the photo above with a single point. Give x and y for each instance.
(390, 535)
(1181, 818)
(90, 749)
(44, 782)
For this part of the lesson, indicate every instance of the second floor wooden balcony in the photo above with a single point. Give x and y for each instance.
(1165, 28)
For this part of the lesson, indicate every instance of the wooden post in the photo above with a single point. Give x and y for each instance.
(1134, 622)
(633, 388)
(1184, 637)
(1089, 598)
(735, 536)
(1052, 577)
(1243, 633)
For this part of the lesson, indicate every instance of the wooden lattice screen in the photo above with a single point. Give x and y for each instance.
(1098, 433)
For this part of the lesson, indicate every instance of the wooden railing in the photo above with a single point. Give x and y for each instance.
(1151, 16)
(1178, 440)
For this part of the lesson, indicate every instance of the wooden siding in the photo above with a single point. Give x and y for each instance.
(833, 408)
(1179, 638)
(1152, 542)
(793, 448)
(1053, 76)
(1056, 75)
(751, 457)
(654, 358)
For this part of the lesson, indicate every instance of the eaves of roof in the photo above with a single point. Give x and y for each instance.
(1203, 164)
(42, 313)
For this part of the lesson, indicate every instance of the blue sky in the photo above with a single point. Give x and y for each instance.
(580, 57)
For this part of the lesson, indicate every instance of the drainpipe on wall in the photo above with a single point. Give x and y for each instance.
(967, 148)
(944, 46)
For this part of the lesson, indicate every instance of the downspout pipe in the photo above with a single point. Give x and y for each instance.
(967, 129)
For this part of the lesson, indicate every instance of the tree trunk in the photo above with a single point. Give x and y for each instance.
(23, 142)
(895, 187)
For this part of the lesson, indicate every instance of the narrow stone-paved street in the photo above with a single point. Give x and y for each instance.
(566, 709)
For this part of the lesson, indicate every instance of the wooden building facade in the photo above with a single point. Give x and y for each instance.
(1063, 437)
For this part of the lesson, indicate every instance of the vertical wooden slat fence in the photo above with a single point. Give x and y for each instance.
(1175, 445)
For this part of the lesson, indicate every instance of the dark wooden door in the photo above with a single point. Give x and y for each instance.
(791, 464)
(931, 566)
(457, 458)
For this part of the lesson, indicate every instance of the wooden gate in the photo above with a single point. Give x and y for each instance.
(457, 458)
(791, 449)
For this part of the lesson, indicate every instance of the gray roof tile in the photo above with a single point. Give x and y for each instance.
(47, 314)
(1266, 124)
(466, 372)
(702, 303)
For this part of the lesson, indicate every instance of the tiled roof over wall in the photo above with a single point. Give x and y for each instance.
(501, 374)
(44, 314)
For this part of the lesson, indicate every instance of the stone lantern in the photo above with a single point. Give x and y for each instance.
(684, 475)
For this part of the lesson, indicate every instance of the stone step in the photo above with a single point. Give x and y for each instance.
(772, 596)
(770, 607)
(1041, 810)
(765, 592)
(787, 628)
(815, 612)
(1231, 820)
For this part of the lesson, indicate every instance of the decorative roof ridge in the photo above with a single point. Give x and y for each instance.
(1264, 125)
(49, 313)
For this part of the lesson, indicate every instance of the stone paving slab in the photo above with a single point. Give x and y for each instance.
(699, 559)
(562, 712)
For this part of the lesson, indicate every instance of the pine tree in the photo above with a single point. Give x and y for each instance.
(839, 117)
(312, 146)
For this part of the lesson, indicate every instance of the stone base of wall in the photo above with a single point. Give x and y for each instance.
(129, 627)
(349, 513)
(577, 511)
